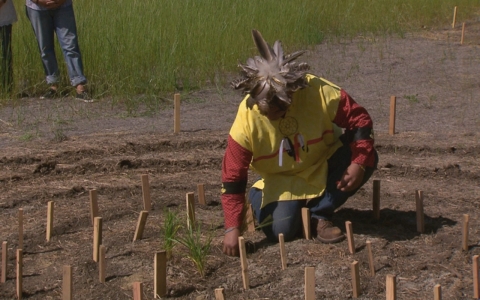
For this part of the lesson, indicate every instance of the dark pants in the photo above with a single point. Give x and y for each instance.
(6, 63)
(285, 216)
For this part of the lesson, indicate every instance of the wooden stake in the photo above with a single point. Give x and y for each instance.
(283, 254)
(67, 283)
(351, 243)
(49, 220)
(393, 104)
(137, 291)
(142, 219)
(97, 237)
(307, 232)
(191, 210)
(176, 116)
(244, 264)
(437, 292)
(420, 215)
(250, 220)
(93, 205)
(160, 274)
(465, 233)
(102, 266)
(20, 228)
(370, 258)
(147, 200)
(19, 273)
(309, 283)
(463, 33)
(219, 294)
(4, 261)
(201, 194)
(476, 291)
(391, 287)
(355, 280)
(376, 199)
(454, 16)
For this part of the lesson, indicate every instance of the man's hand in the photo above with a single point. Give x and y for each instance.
(50, 4)
(352, 178)
(230, 242)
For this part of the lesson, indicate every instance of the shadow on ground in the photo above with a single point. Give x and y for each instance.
(393, 225)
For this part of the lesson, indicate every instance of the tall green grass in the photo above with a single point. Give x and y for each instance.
(153, 47)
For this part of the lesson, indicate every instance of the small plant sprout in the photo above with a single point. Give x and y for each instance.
(26, 137)
(412, 98)
(170, 229)
(198, 246)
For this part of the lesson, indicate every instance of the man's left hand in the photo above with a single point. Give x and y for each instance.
(351, 178)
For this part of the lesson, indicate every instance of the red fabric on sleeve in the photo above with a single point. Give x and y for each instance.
(236, 162)
(232, 209)
(363, 153)
(351, 115)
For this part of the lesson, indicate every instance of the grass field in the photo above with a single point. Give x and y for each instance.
(150, 47)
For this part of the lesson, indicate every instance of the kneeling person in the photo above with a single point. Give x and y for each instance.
(288, 129)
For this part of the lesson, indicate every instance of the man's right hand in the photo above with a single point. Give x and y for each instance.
(230, 242)
(50, 4)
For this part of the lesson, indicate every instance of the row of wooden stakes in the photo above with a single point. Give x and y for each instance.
(309, 286)
(160, 271)
(454, 22)
(391, 283)
(390, 279)
(99, 250)
(393, 99)
(160, 257)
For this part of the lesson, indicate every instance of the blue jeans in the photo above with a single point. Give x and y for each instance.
(285, 216)
(45, 24)
(6, 62)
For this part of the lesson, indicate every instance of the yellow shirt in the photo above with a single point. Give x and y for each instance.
(309, 118)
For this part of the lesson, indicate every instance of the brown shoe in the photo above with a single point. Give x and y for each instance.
(326, 232)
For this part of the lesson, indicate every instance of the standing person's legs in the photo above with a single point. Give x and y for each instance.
(43, 27)
(6, 63)
(66, 29)
(277, 217)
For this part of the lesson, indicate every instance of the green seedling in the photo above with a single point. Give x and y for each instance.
(412, 98)
(170, 229)
(197, 245)
(26, 137)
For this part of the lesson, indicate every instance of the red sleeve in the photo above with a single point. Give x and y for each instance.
(236, 162)
(350, 116)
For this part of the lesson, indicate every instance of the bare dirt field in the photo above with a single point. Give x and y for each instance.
(58, 150)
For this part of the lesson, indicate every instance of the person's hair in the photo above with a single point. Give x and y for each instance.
(272, 76)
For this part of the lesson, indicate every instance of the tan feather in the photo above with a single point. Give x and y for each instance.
(262, 46)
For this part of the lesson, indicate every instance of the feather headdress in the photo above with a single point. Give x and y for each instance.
(271, 74)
